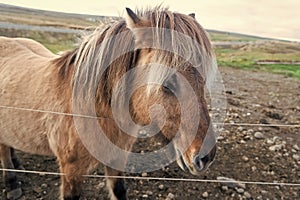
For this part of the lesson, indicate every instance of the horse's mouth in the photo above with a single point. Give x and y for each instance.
(180, 161)
(202, 166)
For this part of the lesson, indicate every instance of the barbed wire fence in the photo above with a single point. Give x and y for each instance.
(149, 178)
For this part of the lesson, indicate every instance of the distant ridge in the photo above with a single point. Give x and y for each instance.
(19, 9)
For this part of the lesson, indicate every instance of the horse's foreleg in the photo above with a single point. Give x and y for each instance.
(15, 160)
(71, 181)
(12, 188)
(116, 186)
(73, 169)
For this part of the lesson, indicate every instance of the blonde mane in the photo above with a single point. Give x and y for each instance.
(99, 52)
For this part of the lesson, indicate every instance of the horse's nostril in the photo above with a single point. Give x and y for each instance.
(201, 162)
(205, 159)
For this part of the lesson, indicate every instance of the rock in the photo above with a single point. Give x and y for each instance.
(145, 196)
(276, 147)
(161, 186)
(240, 190)
(273, 140)
(224, 188)
(142, 133)
(44, 185)
(247, 195)
(243, 142)
(264, 192)
(250, 131)
(150, 193)
(259, 135)
(205, 195)
(248, 137)
(296, 147)
(37, 189)
(100, 185)
(240, 128)
(245, 158)
(231, 183)
(296, 157)
(220, 138)
(170, 196)
(144, 174)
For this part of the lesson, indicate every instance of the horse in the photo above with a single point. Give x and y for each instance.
(39, 92)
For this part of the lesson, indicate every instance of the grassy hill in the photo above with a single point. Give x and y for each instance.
(232, 49)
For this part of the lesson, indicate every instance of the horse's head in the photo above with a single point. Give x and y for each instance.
(175, 53)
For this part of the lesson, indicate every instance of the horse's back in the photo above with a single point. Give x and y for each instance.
(10, 46)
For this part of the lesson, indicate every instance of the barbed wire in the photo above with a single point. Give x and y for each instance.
(274, 183)
(151, 178)
(94, 117)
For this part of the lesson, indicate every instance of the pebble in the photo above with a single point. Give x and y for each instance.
(224, 188)
(170, 196)
(145, 196)
(245, 158)
(240, 190)
(205, 195)
(253, 168)
(247, 195)
(276, 147)
(264, 192)
(296, 147)
(296, 157)
(37, 189)
(150, 193)
(243, 142)
(231, 183)
(250, 131)
(101, 185)
(259, 135)
(144, 174)
(220, 138)
(44, 185)
(248, 137)
(240, 128)
(161, 186)
(273, 140)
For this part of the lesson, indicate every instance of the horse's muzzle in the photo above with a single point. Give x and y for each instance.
(199, 163)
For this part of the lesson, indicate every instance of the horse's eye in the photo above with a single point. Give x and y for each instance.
(170, 86)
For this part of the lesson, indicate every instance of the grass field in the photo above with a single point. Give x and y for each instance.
(248, 55)
(243, 51)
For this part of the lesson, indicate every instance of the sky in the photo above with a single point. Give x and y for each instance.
(268, 18)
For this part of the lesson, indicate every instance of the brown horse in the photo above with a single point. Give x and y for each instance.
(59, 89)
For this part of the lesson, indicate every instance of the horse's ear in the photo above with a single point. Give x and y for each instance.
(192, 15)
(132, 19)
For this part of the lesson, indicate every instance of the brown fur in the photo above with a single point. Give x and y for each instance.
(32, 77)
